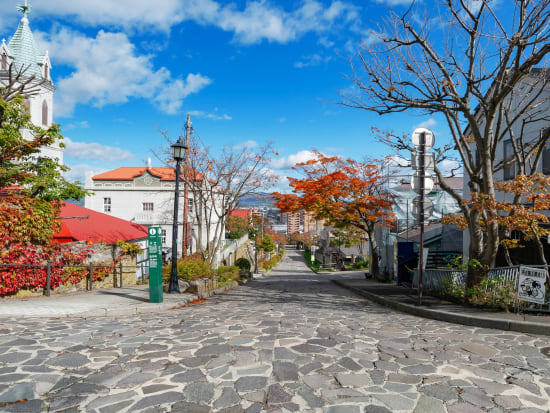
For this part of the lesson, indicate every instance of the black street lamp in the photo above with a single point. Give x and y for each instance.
(178, 150)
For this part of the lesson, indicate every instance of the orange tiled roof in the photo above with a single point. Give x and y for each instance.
(128, 173)
(241, 213)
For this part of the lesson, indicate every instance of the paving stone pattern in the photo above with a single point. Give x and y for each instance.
(291, 342)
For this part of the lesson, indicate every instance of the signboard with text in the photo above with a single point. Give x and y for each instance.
(531, 284)
(155, 265)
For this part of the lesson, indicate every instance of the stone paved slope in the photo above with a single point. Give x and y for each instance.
(290, 342)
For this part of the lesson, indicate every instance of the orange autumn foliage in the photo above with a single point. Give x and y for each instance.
(347, 193)
(520, 210)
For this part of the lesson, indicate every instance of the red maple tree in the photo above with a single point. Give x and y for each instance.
(345, 192)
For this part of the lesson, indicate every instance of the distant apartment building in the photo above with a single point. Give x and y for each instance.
(293, 223)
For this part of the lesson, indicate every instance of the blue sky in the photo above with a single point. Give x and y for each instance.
(246, 71)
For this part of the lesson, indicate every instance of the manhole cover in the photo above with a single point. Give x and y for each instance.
(545, 351)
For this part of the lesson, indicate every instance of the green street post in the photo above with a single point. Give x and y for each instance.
(155, 265)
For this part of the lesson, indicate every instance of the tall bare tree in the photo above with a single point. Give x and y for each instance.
(216, 182)
(474, 63)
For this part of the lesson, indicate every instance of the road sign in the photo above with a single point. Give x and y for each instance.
(429, 160)
(416, 181)
(531, 284)
(429, 138)
(155, 265)
(428, 207)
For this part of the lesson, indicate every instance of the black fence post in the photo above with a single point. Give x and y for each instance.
(120, 267)
(113, 267)
(48, 278)
(90, 275)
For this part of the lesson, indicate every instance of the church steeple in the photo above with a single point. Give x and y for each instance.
(24, 50)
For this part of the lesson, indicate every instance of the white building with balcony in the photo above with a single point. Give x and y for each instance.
(145, 195)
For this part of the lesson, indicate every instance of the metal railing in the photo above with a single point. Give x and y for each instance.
(89, 277)
(436, 279)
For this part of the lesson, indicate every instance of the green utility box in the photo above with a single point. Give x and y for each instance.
(155, 265)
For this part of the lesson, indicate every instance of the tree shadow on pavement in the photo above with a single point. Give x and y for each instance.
(311, 292)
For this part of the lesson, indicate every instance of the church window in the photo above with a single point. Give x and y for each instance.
(46, 71)
(4, 61)
(45, 113)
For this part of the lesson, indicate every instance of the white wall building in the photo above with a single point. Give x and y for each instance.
(529, 109)
(145, 195)
(23, 56)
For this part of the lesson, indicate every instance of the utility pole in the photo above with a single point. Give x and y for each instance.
(185, 189)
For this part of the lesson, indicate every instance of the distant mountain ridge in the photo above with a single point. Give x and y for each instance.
(257, 200)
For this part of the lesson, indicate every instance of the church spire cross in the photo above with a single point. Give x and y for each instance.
(26, 9)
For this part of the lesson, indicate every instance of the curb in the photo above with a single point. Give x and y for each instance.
(468, 320)
(131, 310)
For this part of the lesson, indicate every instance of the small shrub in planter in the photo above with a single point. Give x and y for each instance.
(191, 268)
(228, 273)
(243, 264)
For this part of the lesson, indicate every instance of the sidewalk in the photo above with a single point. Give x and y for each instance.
(96, 303)
(406, 299)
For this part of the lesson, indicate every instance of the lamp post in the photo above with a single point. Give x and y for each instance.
(256, 249)
(178, 150)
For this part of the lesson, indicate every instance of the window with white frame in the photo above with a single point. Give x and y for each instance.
(148, 206)
(107, 205)
(190, 205)
(163, 236)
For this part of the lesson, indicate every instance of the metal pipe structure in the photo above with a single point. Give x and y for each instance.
(422, 168)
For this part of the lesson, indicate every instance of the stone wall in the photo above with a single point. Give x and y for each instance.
(101, 256)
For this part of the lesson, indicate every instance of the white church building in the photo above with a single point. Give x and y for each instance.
(22, 55)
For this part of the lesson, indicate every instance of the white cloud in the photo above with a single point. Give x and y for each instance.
(287, 162)
(262, 20)
(324, 41)
(254, 22)
(247, 145)
(395, 2)
(78, 172)
(312, 60)
(108, 70)
(94, 151)
(429, 123)
(76, 125)
(213, 116)
(448, 166)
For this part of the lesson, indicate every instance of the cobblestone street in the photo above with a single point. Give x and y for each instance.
(290, 342)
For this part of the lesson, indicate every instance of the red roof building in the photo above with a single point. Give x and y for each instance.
(128, 173)
(242, 213)
(83, 224)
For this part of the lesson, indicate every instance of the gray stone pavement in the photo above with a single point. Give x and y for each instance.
(96, 303)
(406, 299)
(290, 342)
